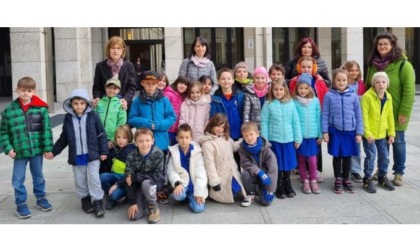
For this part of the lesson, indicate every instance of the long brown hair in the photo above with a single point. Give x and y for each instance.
(395, 53)
(217, 120)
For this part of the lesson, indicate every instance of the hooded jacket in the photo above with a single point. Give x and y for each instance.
(196, 114)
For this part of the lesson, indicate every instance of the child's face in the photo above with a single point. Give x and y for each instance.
(306, 66)
(25, 94)
(112, 90)
(303, 90)
(260, 81)
(195, 93)
(144, 143)
(79, 106)
(278, 91)
(184, 139)
(380, 85)
(150, 86)
(340, 81)
(207, 86)
(122, 140)
(354, 72)
(162, 83)
(251, 136)
(181, 87)
(219, 130)
(276, 74)
(226, 81)
(307, 49)
(116, 52)
(241, 73)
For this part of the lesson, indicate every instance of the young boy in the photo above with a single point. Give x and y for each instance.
(186, 171)
(85, 136)
(25, 134)
(111, 113)
(378, 120)
(142, 175)
(276, 71)
(259, 164)
(243, 77)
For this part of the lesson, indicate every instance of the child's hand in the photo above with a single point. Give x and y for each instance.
(370, 140)
(326, 137)
(178, 190)
(297, 145)
(132, 211)
(319, 140)
(123, 104)
(199, 200)
(128, 180)
(103, 157)
(358, 138)
(12, 153)
(391, 140)
(95, 102)
(110, 145)
(48, 155)
(113, 187)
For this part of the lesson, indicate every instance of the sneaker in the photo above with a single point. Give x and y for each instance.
(375, 175)
(98, 208)
(385, 184)
(23, 211)
(247, 201)
(110, 204)
(290, 193)
(314, 187)
(296, 171)
(305, 187)
(319, 178)
(163, 197)
(338, 186)
(356, 177)
(397, 180)
(154, 213)
(87, 204)
(43, 205)
(368, 185)
(348, 187)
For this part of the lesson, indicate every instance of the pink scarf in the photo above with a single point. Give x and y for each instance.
(200, 62)
(260, 93)
(115, 67)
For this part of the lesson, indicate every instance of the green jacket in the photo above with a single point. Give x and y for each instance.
(27, 133)
(401, 88)
(112, 115)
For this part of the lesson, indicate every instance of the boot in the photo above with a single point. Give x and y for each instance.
(87, 204)
(280, 189)
(98, 206)
(154, 213)
(290, 193)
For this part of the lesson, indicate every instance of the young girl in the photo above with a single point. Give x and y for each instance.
(186, 171)
(207, 84)
(113, 182)
(255, 96)
(309, 112)
(276, 71)
(241, 75)
(222, 171)
(342, 128)
(163, 81)
(195, 110)
(176, 94)
(281, 126)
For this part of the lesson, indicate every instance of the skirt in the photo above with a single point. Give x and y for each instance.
(308, 147)
(285, 154)
(342, 143)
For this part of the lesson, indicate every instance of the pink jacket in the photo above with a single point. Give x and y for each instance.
(176, 100)
(196, 114)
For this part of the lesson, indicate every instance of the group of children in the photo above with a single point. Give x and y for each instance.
(193, 144)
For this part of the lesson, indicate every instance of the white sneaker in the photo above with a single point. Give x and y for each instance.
(247, 201)
(319, 178)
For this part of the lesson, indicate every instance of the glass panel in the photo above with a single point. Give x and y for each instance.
(189, 36)
(336, 47)
(221, 48)
(409, 43)
(278, 45)
(142, 33)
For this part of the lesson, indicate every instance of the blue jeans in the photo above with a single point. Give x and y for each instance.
(399, 152)
(194, 206)
(380, 146)
(109, 179)
(18, 178)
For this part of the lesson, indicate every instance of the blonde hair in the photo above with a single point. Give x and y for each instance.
(311, 93)
(194, 84)
(379, 75)
(143, 131)
(337, 72)
(115, 40)
(125, 130)
(286, 97)
(248, 126)
(350, 64)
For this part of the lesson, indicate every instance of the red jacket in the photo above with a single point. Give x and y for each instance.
(320, 87)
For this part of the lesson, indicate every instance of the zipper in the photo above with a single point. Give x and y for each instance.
(80, 134)
(106, 111)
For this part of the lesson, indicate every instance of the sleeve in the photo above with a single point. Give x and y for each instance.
(136, 118)
(407, 79)
(297, 131)
(247, 108)
(213, 76)
(290, 65)
(5, 142)
(62, 141)
(200, 183)
(47, 137)
(157, 169)
(183, 113)
(121, 117)
(97, 88)
(247, 163)
(323, 71)
(102, 138)
(390, 119)
(318, 117)
(365, 115)
(325, 114)
(358, 114)
(183, 68)
(130, 88)
(169, 115)
(210, 164)
(173, 176)
(270, 160)
(265, 118)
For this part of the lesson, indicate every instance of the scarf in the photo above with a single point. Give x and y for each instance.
(115, 67)
(260, 93)
(304, 101)
(381, 63)
(149, 98)
(255, 149)
(200, 62)
(243, 82)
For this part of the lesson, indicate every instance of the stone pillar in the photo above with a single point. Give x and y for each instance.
(324, 46)
(249, 49)
(73, 58)
(173, 51)
(352, 45)
(98, 47)
(399, 32)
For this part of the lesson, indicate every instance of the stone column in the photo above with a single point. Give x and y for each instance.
(173, 51)
(73, 57)
(352, 45)
(324, 46)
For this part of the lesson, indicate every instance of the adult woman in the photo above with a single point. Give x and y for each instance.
(199, 64)
(389, 57)
(307, 47)
(115, 66)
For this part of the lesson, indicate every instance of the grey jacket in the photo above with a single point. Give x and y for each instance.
(190, 70)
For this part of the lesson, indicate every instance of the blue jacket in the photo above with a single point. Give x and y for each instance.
(233, 109)
(342, 111)
(310, 118)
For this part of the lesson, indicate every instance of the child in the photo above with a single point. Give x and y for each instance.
(112, 182)
(342, 128)
(163, 81)
(255, 96)
(25, 134)
(111, 113)
(229, 102)
(176, 94)
(186, 170)
(309, 112)
(195, 110)
(222, 171)
(378, 118)
(281, 126)
(242, 76)
(357, 85)
(259, 163)
(85, 136)
(276, 71)
(207, 84)
(142, 176)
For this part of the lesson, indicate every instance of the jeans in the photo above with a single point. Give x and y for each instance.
(107, 181)
(380, 146)
(18, 178)
(194, 206)
(399, 152)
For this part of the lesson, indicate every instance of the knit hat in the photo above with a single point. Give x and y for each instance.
(261, 70)
(151, 76)
(240, 64)
(113, 81)
(304, 78)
